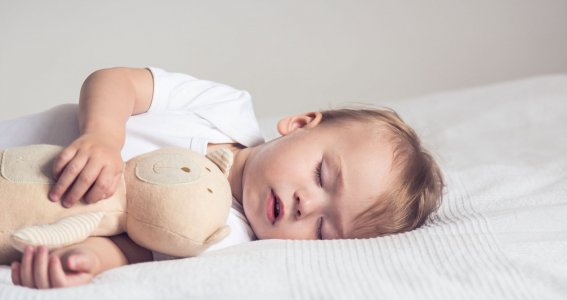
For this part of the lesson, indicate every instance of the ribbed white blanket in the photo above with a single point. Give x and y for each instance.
(501, 232)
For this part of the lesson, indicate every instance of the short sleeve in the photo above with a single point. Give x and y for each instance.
(176, 91)
(228, 109)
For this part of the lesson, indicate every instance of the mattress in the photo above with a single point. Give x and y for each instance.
(501, 232)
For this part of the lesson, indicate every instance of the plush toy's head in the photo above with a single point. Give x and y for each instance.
(178, 200)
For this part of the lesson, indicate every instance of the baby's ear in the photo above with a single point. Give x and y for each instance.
(289, 124)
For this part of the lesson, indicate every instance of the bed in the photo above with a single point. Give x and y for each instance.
(501, 232)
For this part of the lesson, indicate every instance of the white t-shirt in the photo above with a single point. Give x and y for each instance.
(191, 113)
(185, 112)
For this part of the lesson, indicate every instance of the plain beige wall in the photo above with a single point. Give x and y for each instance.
(290, 55)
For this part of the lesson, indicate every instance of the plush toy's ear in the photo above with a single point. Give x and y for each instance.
(223, 158)
(218, 235)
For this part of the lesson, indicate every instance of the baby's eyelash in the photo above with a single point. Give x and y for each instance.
(317, 172)
(320, 229)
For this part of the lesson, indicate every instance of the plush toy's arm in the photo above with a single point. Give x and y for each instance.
(218, 235)
(65, 232)
(223, 158)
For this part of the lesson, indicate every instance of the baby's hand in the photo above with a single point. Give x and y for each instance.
(41, 270)
(88, 169)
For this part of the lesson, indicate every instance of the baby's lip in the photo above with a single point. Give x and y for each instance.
(270, 207)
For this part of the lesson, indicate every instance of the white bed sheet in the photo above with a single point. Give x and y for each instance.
(501, 232)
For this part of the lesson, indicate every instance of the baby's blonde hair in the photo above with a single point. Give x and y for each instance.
(417, 191)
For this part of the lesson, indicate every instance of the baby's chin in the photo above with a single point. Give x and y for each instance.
(262, 234)
(259, 234)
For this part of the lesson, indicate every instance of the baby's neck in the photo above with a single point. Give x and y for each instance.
(236, 171)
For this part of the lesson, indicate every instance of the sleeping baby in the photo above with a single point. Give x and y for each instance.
(336, 174)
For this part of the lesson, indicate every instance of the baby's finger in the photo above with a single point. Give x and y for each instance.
(62, 160)
(41, 278)
(104, 186)
(57, 168)
(78, 279)
(82, 184)
(56, 273)
(26, 269)
(67, 178)
(15, 267)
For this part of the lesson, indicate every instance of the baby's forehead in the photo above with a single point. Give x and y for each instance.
(355, 124)
(365, 133)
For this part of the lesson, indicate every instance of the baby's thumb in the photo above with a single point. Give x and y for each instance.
(80, 262)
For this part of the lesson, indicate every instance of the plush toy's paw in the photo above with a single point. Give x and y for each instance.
(65, 232)
(223, 158)
(218, 235)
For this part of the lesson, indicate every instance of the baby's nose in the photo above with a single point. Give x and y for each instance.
(306, 206)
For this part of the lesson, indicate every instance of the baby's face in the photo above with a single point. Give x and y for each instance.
(312, 183)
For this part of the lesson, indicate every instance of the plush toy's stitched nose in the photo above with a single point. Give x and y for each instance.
(168, 168)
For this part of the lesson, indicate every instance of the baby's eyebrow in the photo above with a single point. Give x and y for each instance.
(336, 167)
(336, 164)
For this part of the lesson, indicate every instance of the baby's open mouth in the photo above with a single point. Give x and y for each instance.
(278, 207)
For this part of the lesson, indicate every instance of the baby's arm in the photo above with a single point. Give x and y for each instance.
(75, 264)
(91, 166)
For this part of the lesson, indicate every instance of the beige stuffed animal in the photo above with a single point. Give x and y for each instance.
(172, 201)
